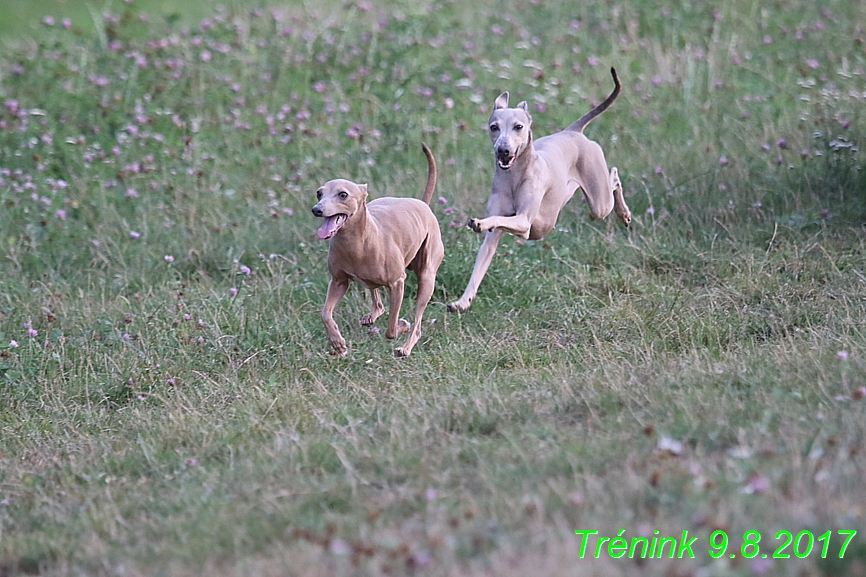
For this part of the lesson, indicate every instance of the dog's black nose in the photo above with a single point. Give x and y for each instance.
(317, 211)
(503, 152)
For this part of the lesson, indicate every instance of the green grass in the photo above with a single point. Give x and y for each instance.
(21, 19)
(702, 370)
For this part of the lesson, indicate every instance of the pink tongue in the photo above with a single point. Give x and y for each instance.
(329, 225)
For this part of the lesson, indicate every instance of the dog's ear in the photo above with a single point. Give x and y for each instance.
(363, 189)
(501, 101)
(525, 108)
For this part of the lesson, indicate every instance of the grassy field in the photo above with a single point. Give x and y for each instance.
(21, 19)
(168, 405)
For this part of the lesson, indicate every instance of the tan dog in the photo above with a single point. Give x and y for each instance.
(374, 243)
(533, 181)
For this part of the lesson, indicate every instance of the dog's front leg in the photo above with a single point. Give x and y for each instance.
(336, 289)
(526, 204)
(518, 225)
(482, 263)
(396, 325)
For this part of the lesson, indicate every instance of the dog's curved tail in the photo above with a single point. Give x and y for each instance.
(431, 175)
(581, 122)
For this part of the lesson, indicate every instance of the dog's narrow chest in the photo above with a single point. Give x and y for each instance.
(361, 268)
(512, 189)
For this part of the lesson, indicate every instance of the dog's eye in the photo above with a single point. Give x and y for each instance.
(518, 127)
(344, 194)
(319, 194)
(494, 128)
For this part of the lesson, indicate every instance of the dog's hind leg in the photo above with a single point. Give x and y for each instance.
(595, 180)
(482, 263)
(426, 284)
(376, 311)
(619, 205)
(396, 325)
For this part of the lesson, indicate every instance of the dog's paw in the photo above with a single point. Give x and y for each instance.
(401, 352)
(402, 326)
(475, 224)
(460, 306)
(338, 347)
(625, 217)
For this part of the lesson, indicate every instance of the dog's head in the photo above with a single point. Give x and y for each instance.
(510, 131)
(339, 200)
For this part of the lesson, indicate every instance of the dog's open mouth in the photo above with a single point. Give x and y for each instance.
(505, 163)
(331, 224)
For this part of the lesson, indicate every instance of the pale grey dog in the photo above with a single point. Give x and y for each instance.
(534, 180)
